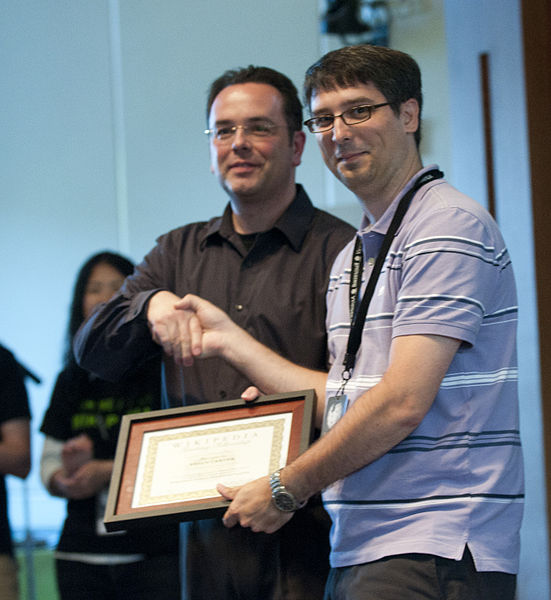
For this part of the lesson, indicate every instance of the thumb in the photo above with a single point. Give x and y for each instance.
(251, 394)
(189, 302)
(227, 492)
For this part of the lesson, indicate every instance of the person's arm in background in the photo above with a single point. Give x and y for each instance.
(15, 438)
(68, 469)
(15, 447)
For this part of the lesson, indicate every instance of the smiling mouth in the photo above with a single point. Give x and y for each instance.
(244, 163)
(243, 167)
(350, 156)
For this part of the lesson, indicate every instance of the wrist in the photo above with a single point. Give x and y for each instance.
(107, 467)
(157, 299)
(283, 498)
(235, 346)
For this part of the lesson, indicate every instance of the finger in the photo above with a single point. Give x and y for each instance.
(177, 338)
(166, 335)
(227, 492)
(190, 335)
(196, 335)
(186, 340)
(251, 394)
(188, 302)
(230, 519)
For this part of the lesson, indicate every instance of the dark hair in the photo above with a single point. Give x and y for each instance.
(76, 314)
(292, 106)
(395, 74)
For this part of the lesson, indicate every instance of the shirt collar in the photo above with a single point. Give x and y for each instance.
(294, 223)
(383, 223)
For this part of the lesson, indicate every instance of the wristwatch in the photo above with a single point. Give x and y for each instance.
(283, 499)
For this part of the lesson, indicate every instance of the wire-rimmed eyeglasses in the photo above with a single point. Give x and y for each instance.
(226, 133)
(351, 116)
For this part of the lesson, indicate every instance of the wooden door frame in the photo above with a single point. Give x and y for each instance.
(536, 28)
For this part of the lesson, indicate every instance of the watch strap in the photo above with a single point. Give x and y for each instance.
(282, 497)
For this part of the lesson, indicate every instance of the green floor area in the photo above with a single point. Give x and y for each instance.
(40, 564)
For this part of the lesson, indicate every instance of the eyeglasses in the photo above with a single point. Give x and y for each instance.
(352, 116)
(226, 133)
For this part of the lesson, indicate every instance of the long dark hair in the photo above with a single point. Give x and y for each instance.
(76, 314)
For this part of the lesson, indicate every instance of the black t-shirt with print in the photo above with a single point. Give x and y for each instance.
(82, 403)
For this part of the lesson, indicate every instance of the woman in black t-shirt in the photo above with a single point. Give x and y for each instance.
(81, 427)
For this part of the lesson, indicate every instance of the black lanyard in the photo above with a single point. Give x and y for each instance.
(359, 313)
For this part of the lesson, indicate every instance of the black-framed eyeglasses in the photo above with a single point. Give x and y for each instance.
(226, 133)
(351, 116)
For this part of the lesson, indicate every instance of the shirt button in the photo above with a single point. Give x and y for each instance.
(239, 307)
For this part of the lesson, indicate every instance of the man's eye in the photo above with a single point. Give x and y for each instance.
(224, 131)
(260, 129)
(324, 121)
(359, 112)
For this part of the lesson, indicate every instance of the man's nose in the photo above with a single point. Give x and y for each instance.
(240, 138)
(341, 130)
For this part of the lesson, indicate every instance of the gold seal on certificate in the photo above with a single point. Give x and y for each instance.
(168, 462)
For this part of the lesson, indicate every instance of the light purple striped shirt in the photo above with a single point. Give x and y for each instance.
(458, 478)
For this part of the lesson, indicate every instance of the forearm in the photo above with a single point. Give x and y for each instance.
(375, 423)
(379, 419)
(103, 469)
(51, 465)
(269, 371)
(193, 329)
(15, 448)
(16, 463)
(366, 432)
(116, 338)
(372, 426)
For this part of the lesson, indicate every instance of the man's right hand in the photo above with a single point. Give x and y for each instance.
(167, 324)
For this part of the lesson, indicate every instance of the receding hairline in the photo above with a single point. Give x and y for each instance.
(247, 83)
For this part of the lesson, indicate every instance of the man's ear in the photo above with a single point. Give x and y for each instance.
(409, 115)
(299, 140)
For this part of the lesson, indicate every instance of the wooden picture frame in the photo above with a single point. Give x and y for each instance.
(168, 462)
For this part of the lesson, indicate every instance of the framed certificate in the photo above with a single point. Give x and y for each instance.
(168, 462)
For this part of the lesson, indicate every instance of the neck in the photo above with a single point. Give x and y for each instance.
(375, 201)
(260, 214)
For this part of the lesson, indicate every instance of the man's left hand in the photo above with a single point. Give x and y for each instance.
(252, 507)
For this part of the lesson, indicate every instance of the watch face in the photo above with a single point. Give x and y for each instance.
(284, 501)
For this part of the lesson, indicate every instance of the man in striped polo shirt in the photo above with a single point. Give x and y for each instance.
(422, 474)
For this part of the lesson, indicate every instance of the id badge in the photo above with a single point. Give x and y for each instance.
(335, 407)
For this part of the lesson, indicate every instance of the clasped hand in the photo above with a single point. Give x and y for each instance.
(81, 476)
(187, 328)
